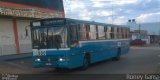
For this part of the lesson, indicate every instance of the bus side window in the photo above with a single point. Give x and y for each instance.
(123, 33)
(127, 32)
(105, 30)
(87, 32)
(118, 33)
(73, 34)
(115, 33)
(112, 33)
(93, 32)
(82, 32)
(108, 32)
(101, 33)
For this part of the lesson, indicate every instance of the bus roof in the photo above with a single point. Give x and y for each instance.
(82, 21)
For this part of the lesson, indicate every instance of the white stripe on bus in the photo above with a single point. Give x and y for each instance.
(104, 40)
(51, 49)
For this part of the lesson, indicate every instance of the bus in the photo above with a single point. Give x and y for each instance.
(64, 43)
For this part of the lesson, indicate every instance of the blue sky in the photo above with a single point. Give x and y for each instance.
(113, 11)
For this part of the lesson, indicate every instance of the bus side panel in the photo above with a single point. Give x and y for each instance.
(100, 50)
(76, 57)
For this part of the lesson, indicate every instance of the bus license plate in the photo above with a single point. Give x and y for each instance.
(48, 64)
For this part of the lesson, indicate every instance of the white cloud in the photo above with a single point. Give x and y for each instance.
(105, 13)
(85, 14)
(76, 9)
(102, 10)
(149, 17)
(109, 20)
(74, 5)
(102, 3)
(122, 2)
(120, 20)
(98, 3)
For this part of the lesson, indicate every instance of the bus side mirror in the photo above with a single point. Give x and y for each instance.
(26, 31)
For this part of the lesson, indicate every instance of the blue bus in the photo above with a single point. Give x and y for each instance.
(64, 43)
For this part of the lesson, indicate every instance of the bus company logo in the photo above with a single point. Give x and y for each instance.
(41, 52)
(119, 44)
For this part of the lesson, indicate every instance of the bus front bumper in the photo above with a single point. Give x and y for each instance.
(56, 64)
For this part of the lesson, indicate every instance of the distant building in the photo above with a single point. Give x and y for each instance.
(15, 17)
(138, 31)
(152, 28)
(140, 34)
(154, 38)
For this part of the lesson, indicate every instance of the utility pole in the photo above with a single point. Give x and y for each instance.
(139, 28)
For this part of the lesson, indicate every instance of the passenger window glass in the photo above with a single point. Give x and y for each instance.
(40, 38)
(57, 37)
(123, 33)
(73, 34)
(101, 33)
(112, 33)
(120, 33)
(50, 38)
(108, 32)
(93, 32)
(87, 31)
(105, 31)
(115, 32)
(82, 32)
(118, 36)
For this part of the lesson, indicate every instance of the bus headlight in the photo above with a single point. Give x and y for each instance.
(63, 59)
(38, 60)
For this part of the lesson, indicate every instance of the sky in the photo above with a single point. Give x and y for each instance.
(113, 11)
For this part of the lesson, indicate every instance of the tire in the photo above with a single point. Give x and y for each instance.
(117, 58)
(58, 69)
(86, 63)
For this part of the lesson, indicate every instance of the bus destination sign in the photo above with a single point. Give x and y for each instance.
(53, 22)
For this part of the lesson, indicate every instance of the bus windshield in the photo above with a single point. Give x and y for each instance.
(49, 38)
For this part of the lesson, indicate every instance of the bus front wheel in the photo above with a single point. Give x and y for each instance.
(86, 62)
(118, 55)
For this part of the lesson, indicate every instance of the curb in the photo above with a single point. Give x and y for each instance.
(15, 57)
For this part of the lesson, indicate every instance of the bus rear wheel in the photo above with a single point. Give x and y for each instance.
(118, 55)
(86, 63)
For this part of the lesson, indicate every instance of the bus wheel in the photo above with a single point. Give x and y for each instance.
(57, 69)
(86, 62)
(118, 55)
